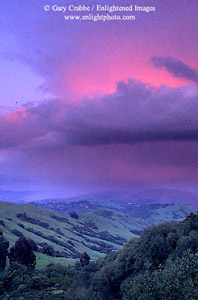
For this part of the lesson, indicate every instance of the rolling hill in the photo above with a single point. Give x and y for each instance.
(68, 236)
(97, 232)
(145, 210)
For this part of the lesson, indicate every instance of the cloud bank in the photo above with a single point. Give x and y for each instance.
(137, 136)
(135, 113)
(175, 67)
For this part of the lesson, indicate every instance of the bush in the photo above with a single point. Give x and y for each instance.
(2, 223)
(16, 277)
(84, 260)
(17, 232)
(49, 250)
(178, 280)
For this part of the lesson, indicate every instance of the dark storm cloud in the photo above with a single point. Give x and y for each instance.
(134, 113)
(176, 67)
(138, 134)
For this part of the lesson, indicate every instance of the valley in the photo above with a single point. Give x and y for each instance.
(98, 230)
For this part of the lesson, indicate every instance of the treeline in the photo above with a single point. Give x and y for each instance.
(160, 265)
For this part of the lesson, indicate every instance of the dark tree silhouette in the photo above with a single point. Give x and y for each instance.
(84, 260)
(33, 244)
(74, 215)
(22, 253)
(4, 244)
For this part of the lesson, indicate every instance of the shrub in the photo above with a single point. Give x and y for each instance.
(17, 232)
(49, 250)
(84, 260)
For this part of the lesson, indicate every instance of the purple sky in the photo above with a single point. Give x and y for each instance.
(98, 106)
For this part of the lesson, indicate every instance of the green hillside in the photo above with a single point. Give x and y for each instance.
(97, 232)
(162, 264)
(68, 236)
(125, 224)
(115, 222)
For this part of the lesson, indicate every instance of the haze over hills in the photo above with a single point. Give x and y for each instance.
(14, 196)
(149, 196)
(168, 196)
(154, 212)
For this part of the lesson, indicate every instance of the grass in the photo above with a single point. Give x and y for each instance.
(73, 231)
(43, 260)
(78, 235)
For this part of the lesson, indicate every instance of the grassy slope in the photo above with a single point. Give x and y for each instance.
(121, 224)
(71, 230)
(174, 212)
(43, 260)
(115, 223)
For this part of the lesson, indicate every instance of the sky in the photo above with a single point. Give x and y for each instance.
(89, 107)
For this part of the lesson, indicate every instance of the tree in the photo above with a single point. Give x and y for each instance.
(4, 244)
(74, 215)
(84, 260)
(22, 253)
(33, 244)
